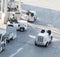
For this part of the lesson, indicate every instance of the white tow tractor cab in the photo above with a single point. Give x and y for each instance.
(30, 16)
(2, 40)
(22, 25)
(10, 32)
(44, 38)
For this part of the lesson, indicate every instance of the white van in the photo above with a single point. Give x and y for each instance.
(2, 40)
(44, 38)
(22, 25)
(10, 32)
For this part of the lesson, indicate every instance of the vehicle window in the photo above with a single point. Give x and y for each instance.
(10, 25)
(32, 14)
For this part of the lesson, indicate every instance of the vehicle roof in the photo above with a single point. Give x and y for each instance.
(43, 34)
(29, 11)
(33, 12)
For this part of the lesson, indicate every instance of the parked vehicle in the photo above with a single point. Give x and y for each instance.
(44, 38)
(10, 32)
(22, 25)
(30, 16)
(2, 40)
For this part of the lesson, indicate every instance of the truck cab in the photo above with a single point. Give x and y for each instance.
(32, 16)
(2, 40)
(44, 38)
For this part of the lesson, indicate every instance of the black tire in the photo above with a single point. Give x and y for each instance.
(47, 44)
(22, 29)
(3, 48)
(8, 41)
(12, 38)
(35, 43)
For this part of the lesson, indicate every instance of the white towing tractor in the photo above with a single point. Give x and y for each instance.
(44, 38)
(2, 40)
(30, 16)
(22, 25)
(10, 32)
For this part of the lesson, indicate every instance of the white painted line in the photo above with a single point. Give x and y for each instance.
(16, 52)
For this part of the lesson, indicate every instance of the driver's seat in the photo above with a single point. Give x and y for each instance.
(49, 32)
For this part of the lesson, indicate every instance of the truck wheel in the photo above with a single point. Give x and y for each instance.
(35, 43)
(22, 29)
(47, 44)
(8, 41)
(3, 47)
(12, 38)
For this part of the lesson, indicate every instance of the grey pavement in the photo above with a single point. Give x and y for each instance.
(22, 39)
(30, 50)
(23, 45)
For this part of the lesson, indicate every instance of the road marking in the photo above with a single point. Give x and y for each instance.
(16, 52)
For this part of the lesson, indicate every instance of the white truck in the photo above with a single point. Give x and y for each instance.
(44, 38)
(2, 40)
(22, 25)
(10, 32)
(30, 16)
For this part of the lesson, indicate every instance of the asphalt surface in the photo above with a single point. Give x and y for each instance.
(22, 39)
(23, 45)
